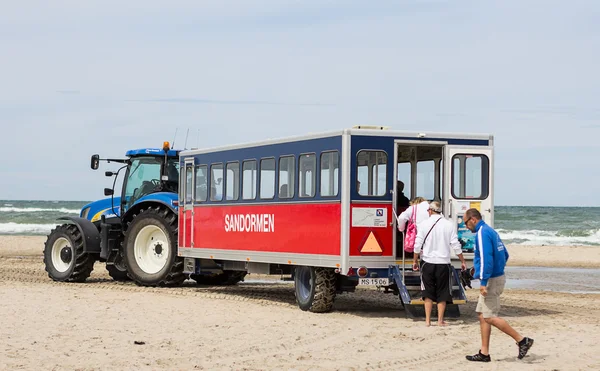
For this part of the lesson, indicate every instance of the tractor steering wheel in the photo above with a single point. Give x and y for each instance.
(148, 186)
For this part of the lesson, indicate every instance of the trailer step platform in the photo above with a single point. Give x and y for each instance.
(407, 283)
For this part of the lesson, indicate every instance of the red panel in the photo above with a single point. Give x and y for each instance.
(185, 228)
(301, 228)
(358, 235)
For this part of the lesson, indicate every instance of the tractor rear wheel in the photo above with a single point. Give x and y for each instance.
(64, 257)
(150, 248)
(315, 288)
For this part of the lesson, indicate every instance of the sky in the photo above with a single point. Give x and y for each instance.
(85, 77)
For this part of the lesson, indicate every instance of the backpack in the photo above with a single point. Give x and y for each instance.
(411, 232)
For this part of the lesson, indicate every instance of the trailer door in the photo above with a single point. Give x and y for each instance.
(468, 183)
(187, 193)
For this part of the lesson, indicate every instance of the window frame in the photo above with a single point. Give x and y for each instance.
(260, 196)
(256, 185)
(485, 176)
(337, 189)
(236, 162)
(314, 178)
(196, 172)
(278, 183)
(387, 158)
(212, 181)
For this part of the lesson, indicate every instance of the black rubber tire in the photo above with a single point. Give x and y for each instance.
(117, 273)
(172, 273)
(315, 288)
(227, 278)
(81, 264)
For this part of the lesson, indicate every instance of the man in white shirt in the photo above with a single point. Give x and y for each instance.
(435, 242)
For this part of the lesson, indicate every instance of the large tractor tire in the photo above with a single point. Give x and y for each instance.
(117, 272)
(315, 288)
(64, 258)
(227, 278)
(150, 248)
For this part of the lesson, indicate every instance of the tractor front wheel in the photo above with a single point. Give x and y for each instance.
(64, 257)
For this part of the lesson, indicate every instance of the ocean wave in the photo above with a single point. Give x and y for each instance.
(37, 210)
(555, 238)
(25, 229)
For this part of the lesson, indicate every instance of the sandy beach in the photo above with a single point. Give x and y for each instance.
(104, 325)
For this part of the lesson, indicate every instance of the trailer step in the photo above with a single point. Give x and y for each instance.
(422, 302)
(409, 291)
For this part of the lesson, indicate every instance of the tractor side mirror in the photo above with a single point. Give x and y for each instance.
(95, 162)
(108, 191)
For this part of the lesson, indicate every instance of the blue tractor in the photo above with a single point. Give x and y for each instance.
(134, 233)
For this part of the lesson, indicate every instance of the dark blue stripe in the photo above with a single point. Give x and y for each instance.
(362, 142)
(316, 146)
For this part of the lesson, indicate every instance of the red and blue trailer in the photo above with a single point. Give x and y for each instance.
(322, 208)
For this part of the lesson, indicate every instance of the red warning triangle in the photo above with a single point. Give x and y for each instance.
(371, 245)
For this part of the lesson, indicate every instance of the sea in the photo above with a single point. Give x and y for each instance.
(517, 225)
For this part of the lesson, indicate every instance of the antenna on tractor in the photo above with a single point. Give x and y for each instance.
(186, 136)
(174, 136)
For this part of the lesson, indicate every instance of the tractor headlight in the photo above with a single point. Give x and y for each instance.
(85, 212)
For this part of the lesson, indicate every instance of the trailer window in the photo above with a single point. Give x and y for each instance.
(232, 181)
(286, 176)
(216, 182)
(405, 176)
(249, 180)
(201, 185)
(329, 174)
(267, 178)
(470, 174)
(371, 173)
(307, 171)
(426, 179)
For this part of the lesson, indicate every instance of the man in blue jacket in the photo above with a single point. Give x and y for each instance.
(489, 261)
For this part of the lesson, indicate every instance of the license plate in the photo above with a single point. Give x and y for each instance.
(374, 281)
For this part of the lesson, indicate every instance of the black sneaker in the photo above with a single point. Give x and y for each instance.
(479, 357)
(524, 346)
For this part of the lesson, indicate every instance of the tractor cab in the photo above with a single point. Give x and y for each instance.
(147, 171)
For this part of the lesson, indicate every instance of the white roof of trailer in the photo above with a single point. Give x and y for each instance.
(354, 131)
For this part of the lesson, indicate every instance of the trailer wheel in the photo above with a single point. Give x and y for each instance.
(150, 248)
(64, 258)
(227, 278)
(315, 288)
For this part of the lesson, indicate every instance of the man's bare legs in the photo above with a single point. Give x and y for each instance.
(486, 329)
(441, 307)
(428, 309)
